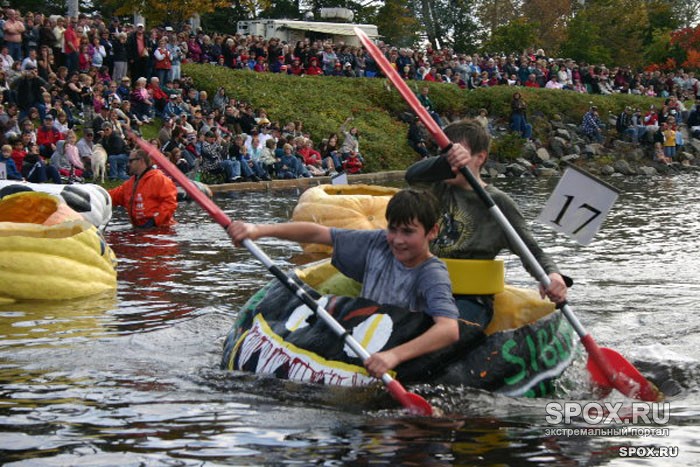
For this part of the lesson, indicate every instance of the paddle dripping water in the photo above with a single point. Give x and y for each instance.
(134, 378)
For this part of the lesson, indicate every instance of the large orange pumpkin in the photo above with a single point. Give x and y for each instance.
(48, 252)
(343, 206)
(36, 208)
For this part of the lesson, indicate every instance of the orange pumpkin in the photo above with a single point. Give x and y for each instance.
(343, 206)
(35, 208)
(48, 252)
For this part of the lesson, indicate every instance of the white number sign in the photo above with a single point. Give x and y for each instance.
(339, 179)
(578, 205)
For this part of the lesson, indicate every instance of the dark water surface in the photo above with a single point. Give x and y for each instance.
(133, 378)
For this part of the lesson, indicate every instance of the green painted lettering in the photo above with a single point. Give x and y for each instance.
(565, 331)
(547, 351)
(515, 359)
(563, 353)
(533, 353)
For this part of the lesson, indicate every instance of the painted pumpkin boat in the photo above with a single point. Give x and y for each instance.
(91, 201)
(48, 251)
(525, 347)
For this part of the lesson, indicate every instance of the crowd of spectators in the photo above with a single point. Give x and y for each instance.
(62, 77)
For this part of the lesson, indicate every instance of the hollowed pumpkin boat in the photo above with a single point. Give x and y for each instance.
(523, 350)
(50, 252)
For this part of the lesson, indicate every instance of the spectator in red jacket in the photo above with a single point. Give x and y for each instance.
(47, 136)
(296, 68)
(353, 164)
(313, 69)
(312, 158)
(531, 81)
(163, 61)
(71, 47)
(160, 98)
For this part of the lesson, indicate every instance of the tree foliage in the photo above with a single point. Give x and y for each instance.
(659, 49)
(687, 41)
(47, 7)
(608, 31)
(687, 12)
(465, 32)
(550, 17)
(583, 41)
(449, 23)
(290, 9)
(171, 12)
(615, 32)
(495, 13)
(511, 36)
(398, 24)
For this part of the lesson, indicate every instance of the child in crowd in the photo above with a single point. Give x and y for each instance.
(483, 119)
(35, 169)
(669, 140)
(19, 152)
(353, 163)
(659, 155)
(395, 267)
(10, 172)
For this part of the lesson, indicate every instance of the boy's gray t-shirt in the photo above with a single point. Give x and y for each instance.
(365, 255)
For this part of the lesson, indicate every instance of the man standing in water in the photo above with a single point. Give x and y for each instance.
(149, 196)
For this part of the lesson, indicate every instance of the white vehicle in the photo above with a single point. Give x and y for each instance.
(291, 31)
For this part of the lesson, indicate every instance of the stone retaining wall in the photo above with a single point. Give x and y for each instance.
(379, 178)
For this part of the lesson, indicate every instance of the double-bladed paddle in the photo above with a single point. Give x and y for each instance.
(413, 402)
(607, 367)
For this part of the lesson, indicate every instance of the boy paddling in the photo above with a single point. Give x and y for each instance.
(395, 267)
(467, 228)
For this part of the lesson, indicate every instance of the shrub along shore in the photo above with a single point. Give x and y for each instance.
(323, 104)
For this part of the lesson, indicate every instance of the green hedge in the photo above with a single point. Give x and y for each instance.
(323, 103)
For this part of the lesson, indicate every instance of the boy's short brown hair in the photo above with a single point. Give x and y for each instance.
(469, 133)
(411, 204)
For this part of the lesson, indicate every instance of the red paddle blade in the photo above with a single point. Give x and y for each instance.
(626, 378)
(413, 402)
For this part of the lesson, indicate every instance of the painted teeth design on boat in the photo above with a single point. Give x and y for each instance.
(269, 355)
(527, 348)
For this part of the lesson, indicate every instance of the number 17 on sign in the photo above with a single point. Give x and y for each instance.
(578, 205)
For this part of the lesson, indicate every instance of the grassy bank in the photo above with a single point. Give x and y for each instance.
(323, 103)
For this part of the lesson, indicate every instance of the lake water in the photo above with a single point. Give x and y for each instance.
(133, 379)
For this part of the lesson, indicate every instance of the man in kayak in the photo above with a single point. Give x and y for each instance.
(395, 267)
(149, 196)
(467, 230)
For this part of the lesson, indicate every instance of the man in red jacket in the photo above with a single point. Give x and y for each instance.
(149, 196)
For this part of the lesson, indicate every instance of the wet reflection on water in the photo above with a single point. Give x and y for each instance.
(133, 378)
